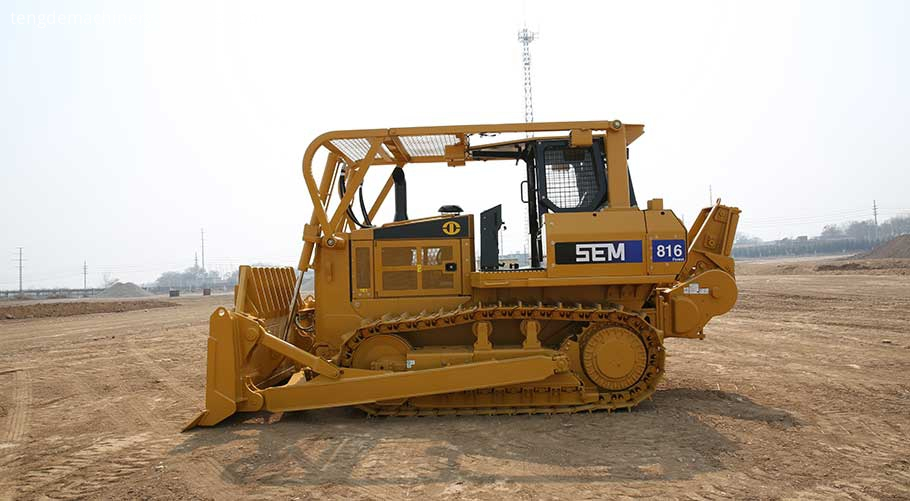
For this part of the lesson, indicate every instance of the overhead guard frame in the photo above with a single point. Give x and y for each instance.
(391, 147)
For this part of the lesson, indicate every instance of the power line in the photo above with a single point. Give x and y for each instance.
(202, 236)
(804, 217)
(813, 220)
(20, 270)
(816, 219)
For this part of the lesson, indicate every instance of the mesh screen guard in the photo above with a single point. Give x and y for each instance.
(571, 179)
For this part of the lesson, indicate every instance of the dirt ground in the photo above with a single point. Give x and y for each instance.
(802, 392)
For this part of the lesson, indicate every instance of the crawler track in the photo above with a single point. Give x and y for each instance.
(544, 397)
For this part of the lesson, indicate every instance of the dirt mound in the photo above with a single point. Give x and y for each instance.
(848, 266)
(898, 247)
(123, 290)
(853, 266)
(70, 308)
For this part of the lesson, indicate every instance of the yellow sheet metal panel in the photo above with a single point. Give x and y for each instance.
(467, 262)
(362, 234)
(617, 169)
(591, 244)
(581, 138)
(332, 281)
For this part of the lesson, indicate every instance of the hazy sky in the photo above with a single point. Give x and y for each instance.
(125, 135)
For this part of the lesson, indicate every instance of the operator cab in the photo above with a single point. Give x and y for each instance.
(560, 177)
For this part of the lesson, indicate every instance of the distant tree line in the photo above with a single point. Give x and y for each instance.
(195, 277)
(855, 236)
(866, 230)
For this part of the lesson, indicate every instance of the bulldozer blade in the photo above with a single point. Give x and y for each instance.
(236, 341)
(223, 372)
(236, 357)
(199, 419)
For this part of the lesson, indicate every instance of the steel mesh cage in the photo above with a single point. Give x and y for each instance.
(362, 260)
(437, 279)
(355, 149)
(571, 181)
(399, 280)
(428, 146)
(399, 256)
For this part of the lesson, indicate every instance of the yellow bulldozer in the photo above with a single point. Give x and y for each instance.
(408, 320)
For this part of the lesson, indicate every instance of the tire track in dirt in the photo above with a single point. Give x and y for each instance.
(123, 430)
(336, 461)
(93, 461)
(166, 377)
(205, 471)
(342, 462)
(18, 420)
(88, 468)
(206, 475)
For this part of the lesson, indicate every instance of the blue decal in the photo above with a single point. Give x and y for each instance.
(668, 251)
(611, 251)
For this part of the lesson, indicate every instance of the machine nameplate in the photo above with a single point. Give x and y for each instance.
(668, 251)
(615, 251)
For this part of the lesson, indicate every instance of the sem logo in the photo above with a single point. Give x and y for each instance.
(616, 251)
(451, 227)
(600, 253)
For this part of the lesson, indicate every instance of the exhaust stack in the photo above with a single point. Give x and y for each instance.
(401, 194)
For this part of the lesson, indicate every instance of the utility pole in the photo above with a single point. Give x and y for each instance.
(20, 270)
(710, 196)
(84, 276)
(202, 236)
(875, 216)
(195, 260)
